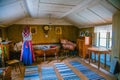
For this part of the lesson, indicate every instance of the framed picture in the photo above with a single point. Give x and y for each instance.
(33, 30)
(58, 30)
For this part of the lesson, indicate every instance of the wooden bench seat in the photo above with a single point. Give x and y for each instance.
(47, 53)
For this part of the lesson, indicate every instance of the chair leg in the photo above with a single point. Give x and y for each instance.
(44, 57)
(19, 68)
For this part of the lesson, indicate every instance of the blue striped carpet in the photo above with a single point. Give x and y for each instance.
(66, 72)
(31, 73)
(91, 75)
(48, 73)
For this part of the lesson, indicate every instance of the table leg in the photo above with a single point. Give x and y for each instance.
(44, 57)
(98, 60)
(19, 67)
(89, 56)
(55, 56)
(95, 57)
(105, 60)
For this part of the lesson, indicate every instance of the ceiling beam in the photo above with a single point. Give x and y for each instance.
(22, 4)
(84, 4)
(42, 21)
(114, 3)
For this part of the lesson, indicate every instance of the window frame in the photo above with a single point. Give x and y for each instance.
(108, 38)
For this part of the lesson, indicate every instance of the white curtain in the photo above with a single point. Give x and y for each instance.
(103, 28)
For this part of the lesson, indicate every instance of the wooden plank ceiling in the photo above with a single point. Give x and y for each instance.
(77, 12)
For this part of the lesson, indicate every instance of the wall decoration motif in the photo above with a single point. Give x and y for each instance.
(33, 30)
(46, 28)
(58, 30)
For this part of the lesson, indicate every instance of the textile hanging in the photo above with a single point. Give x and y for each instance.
(104, 28)
(27, 54)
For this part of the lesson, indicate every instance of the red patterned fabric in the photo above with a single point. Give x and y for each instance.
(67, 44)
(63, 41)
(26, 31)
(53, 46)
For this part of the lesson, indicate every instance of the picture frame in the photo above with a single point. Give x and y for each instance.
(33, 30)
(58, 30)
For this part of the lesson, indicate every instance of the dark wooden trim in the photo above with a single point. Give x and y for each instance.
(44, 43)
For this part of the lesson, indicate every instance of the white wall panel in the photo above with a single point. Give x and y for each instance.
(65, 2)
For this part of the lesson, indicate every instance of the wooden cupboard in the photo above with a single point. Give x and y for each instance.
(4, 53)
(82, 44)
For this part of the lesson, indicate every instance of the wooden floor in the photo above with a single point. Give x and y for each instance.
(103, 72)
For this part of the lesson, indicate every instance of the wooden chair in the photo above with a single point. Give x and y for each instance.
(15, 64)
(7, 73)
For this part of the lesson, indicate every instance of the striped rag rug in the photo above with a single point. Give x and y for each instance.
(66, 72)
(31, 73)
(48, 73)
(91, 75)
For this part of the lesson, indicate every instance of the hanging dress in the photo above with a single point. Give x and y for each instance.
(27, 54)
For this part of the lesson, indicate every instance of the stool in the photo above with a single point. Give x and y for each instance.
(14, 63)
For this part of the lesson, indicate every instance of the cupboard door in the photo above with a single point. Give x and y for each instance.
(82, 45)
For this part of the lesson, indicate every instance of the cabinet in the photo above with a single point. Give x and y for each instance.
(4, 53)
(82, 44)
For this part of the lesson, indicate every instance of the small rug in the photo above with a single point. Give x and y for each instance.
(48, 73)
(31, 73)
(66, 72)
(91, 75)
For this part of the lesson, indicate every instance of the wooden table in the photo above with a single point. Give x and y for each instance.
(98, 51)
(47, 52)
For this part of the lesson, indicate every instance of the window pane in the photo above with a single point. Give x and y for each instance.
(103, 42)
(110, 43)
(103, 35)
(97, 43)
(110, 34)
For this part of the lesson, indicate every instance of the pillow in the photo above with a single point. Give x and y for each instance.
(63, 41)
(18, 46)
(53, 46)
(44, 47)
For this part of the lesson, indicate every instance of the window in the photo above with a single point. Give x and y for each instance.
(103, 39)
(103, 36)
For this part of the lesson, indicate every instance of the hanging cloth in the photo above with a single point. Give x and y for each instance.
(27, 53)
